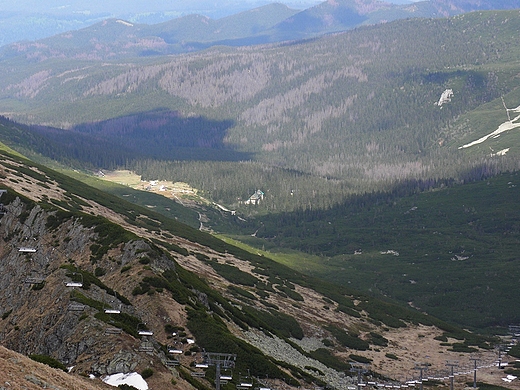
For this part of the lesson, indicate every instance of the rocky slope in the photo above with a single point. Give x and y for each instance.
(50, 237)
(19, 372)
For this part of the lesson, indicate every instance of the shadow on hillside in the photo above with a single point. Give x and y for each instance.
(158, 134)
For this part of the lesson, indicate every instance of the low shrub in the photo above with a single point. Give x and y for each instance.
(50, 361)
(147, 373)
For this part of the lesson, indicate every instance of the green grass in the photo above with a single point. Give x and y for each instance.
(294, 259)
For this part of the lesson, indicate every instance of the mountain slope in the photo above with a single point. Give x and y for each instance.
(449, 250)
(115, 38)
(362, 106)
(20, 372)
(141, 265)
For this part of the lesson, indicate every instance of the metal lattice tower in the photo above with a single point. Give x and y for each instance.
(360, 369)
(452, 364)
(219, 360)
(475, 361)
(421, 367)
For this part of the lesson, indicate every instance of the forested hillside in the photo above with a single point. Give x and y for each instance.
(450, 250)
(350, 112)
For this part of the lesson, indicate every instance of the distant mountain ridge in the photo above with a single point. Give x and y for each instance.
(118, 38)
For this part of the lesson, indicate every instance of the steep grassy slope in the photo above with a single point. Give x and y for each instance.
(147, 265)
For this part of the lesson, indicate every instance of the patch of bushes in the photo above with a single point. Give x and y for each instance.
(389, 314)
(169, 281)
(262, 294)
(270, 305)
(240, 292)
(324, 356)
(277, 322)
(462, 347)
(377, 339)
(290, 292)
(348, 341)
(56, 219)
(234, 275)
(109, 234)
(38, 286)
(172, 247)
(7, 314)
(486, 386)
(124, 386)
(143, 288)
(99, 271)
(50, 361)
(359, 358)
(147, 373)
(510, 371)
(514, 351)
(327, 343)
(349, 311)
(144, 260)
(201, 256)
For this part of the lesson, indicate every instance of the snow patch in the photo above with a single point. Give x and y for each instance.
(133, 379)
(500, 152)
(509, 378)
(124, 23)
(506, 126)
